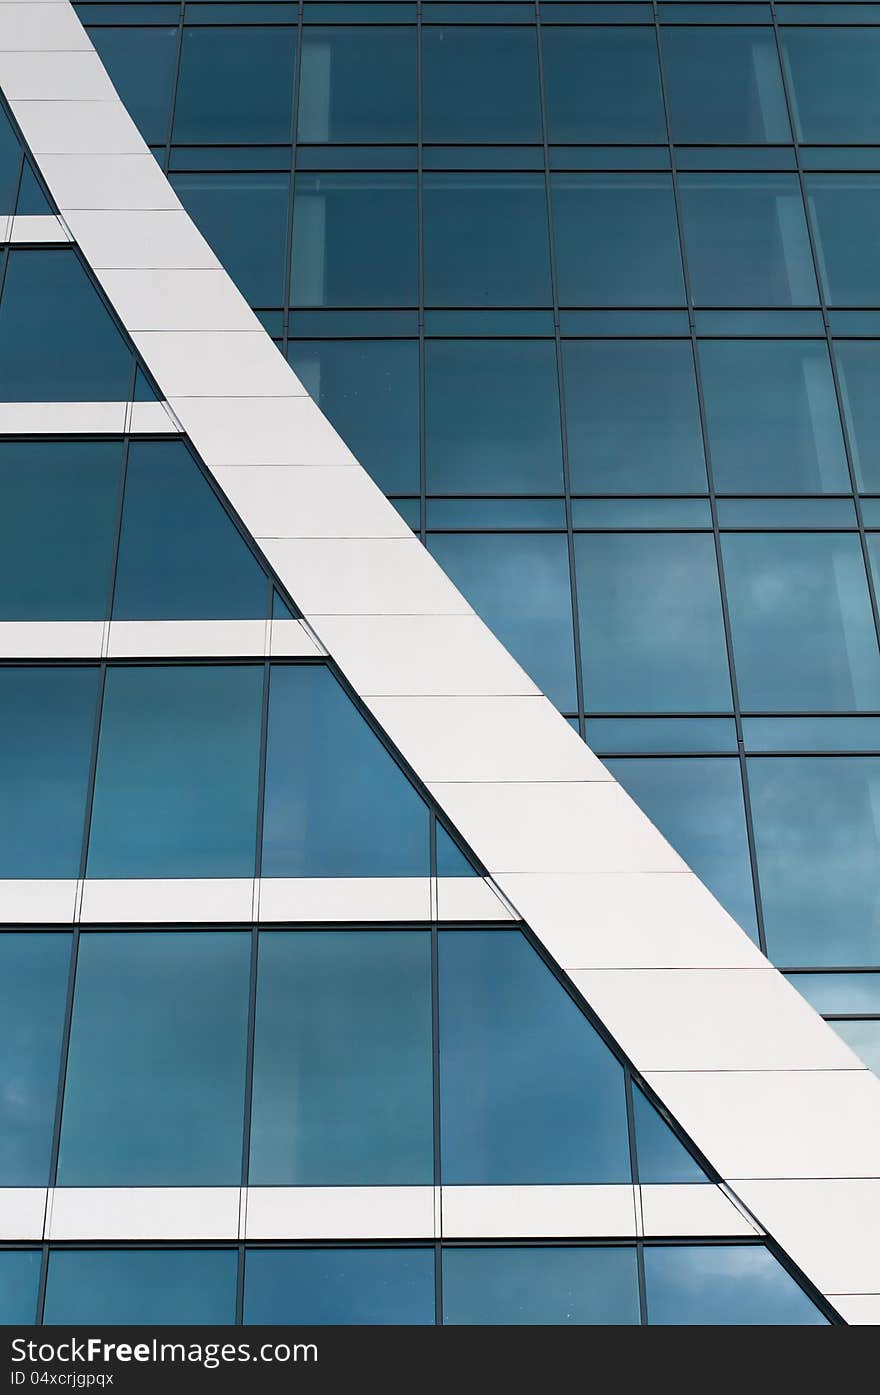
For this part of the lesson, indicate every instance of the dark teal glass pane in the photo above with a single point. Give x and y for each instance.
(616, 240)
(520, 584)
(154, 1094)
(480, 85)
(662, 1157)
(697, 804)
(529, 1093)
(236, 85)
(833, 78)
(846, 216)
(31, 198)
(355, 240)
(818, 857)
(337, 804)
(803, 633)
(176, 785)
(47, 716)
(10, 163)
(541, 1285)
(141, 66)
(723, 1285)
(34, 970)
(358, 85)
(57, 528)
(19, 1283)
(342, 1064)
(858, 366)
(57, 340)
(492, 417)
(339, 1286)
(141, 1287)
(602, 85)
(632, 417)
(180, 555)
(652, 636)
(773, 422)
(244, 217)
(280, 609)
(724, 85)
(451, 861)
(486, 240)
(370, 391)
(747, 240)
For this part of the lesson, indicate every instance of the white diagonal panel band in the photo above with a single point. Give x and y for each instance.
(787, 1114)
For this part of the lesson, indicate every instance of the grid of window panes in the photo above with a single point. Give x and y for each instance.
(592, 290)
(719, 1283)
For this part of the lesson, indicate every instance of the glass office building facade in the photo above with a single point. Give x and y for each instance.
(591, 290)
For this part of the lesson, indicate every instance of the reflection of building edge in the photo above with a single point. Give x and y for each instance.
(782, 1112)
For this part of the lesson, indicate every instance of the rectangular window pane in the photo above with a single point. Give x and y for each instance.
(176, 785)
(342, 1065)
(520, 584)
(486, 240)
(803, 634)
(358, 85)
(480, 85)
(652, 636)
(724, 85)
(746, 240)
(154, 1094)
(34, 970)
(833, 75)
(141, 65)
(354, 240)
(858, 365)
(602, 85)
(244, 217)
(236, 85)
(141, 1287)
(846, 216)
(818, 847)
(616, 240)
(47, 717)
(19, 1285)
(540, 1285)
(723, 1285)
(339, 1286)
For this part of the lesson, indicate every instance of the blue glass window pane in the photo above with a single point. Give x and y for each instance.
(858, 366)
(339, 1286)
(846, 217)
(529, 1093)
(492, 417)
(486, 240)
(632, 417)
(747, 240)
(141, 65)
(19, 1282)
(337, 804)
(833, 78)
(698, 805)
(236, 85)
(34, 970)
(480, 84)
(141, 1287)
(342, 1060)
(354, 240)
(662, 1157)
(616, 240)
(818, 857)
(370, 391)
(176, 785)
(47, 716)
(154, 1094)
(31, 198)
(864, 1038)
(772, 417)
(541, 1285)
(57, 528)
(723, 1285)
(57, 341)
(180, 555)
(845, 993)
(521, 586)
(652, 637)
(803, 634)
(10, 163)
(451, 861)
(602, 85)
(244, 217)
(724, 85)
(358, 85)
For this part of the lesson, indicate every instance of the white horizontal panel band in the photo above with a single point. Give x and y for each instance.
(85, 418)
(145, 902)
(469, 898)
(52, 639)
(590, 1212)
(38, 902)
(154, 639)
